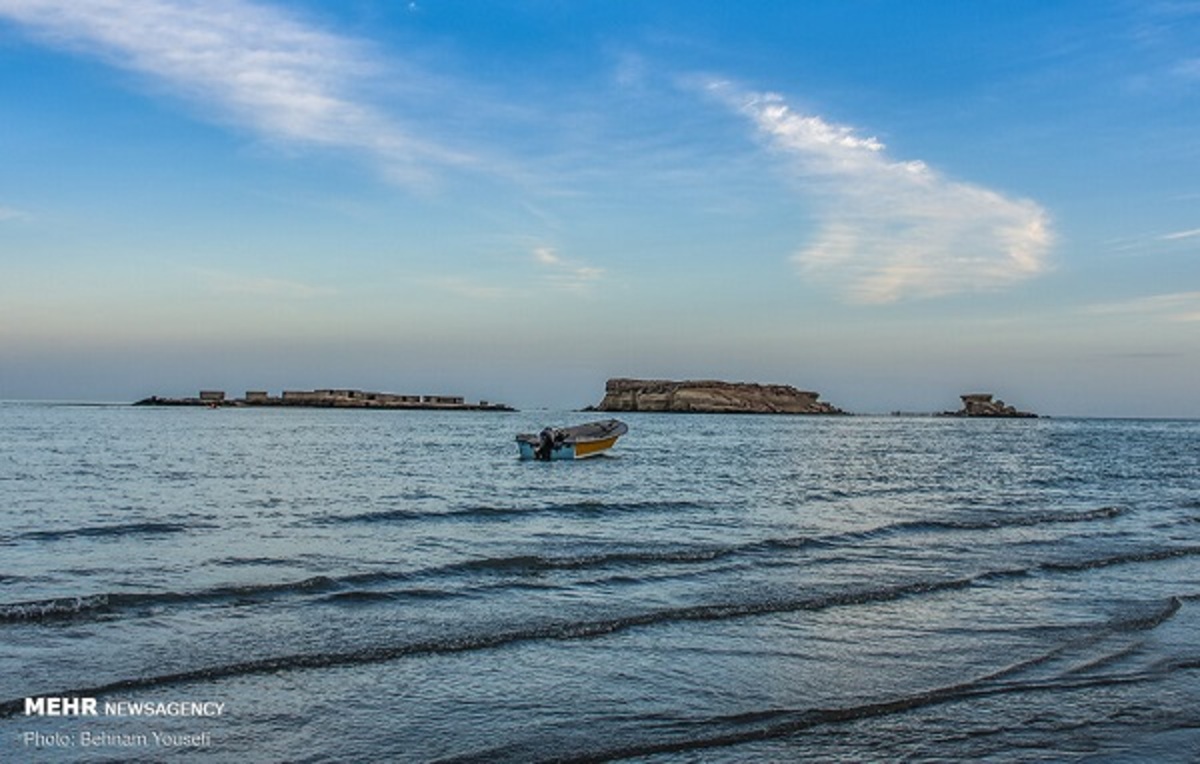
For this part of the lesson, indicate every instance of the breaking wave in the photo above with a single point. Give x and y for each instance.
(105, 604)
(489, 513)
(492, 640)
(784, 722)
(709, 733)
(102, 531)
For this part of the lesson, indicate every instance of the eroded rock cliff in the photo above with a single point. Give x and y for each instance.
(982, 405)
(710, 396)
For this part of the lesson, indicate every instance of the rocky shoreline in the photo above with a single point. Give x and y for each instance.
(983, 405)
(709, 397)
(342, 399)
(620, 395)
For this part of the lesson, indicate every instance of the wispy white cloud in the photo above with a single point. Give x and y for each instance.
(890, 229)
(546, 256)
(256, 65)
(1181, 235)
(1174, 306)
(554, 274)
(566, 275)
(9, 213)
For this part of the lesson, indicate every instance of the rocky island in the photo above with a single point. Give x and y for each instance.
(982, 405)
(710, 397)
(347, 399)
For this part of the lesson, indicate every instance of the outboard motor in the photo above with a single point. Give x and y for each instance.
(545, 445)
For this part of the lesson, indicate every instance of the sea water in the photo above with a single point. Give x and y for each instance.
(328, 585)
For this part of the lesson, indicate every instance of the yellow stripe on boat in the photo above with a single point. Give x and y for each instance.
(593, 447)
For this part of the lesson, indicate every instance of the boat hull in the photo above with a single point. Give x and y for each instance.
(569, 443)
(573, 451)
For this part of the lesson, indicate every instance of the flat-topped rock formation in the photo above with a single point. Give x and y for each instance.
(347, 399)
(982, 405)
(709, 396)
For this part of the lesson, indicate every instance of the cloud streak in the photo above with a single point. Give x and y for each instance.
(1174, 307)
(1181, 235)
(553, 274)
(252, 64)
(565, 275)
(891, 230)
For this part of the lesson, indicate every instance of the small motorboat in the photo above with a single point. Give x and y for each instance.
(578, 442)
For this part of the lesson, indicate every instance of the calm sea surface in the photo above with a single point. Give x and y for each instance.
(392, 586)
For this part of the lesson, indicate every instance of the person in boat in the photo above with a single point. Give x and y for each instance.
(547, 440)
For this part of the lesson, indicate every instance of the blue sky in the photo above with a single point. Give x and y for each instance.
(890, 203)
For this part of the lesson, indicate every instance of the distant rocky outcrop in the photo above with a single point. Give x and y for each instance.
(709, 396)
(349, 399)
(982, 405)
